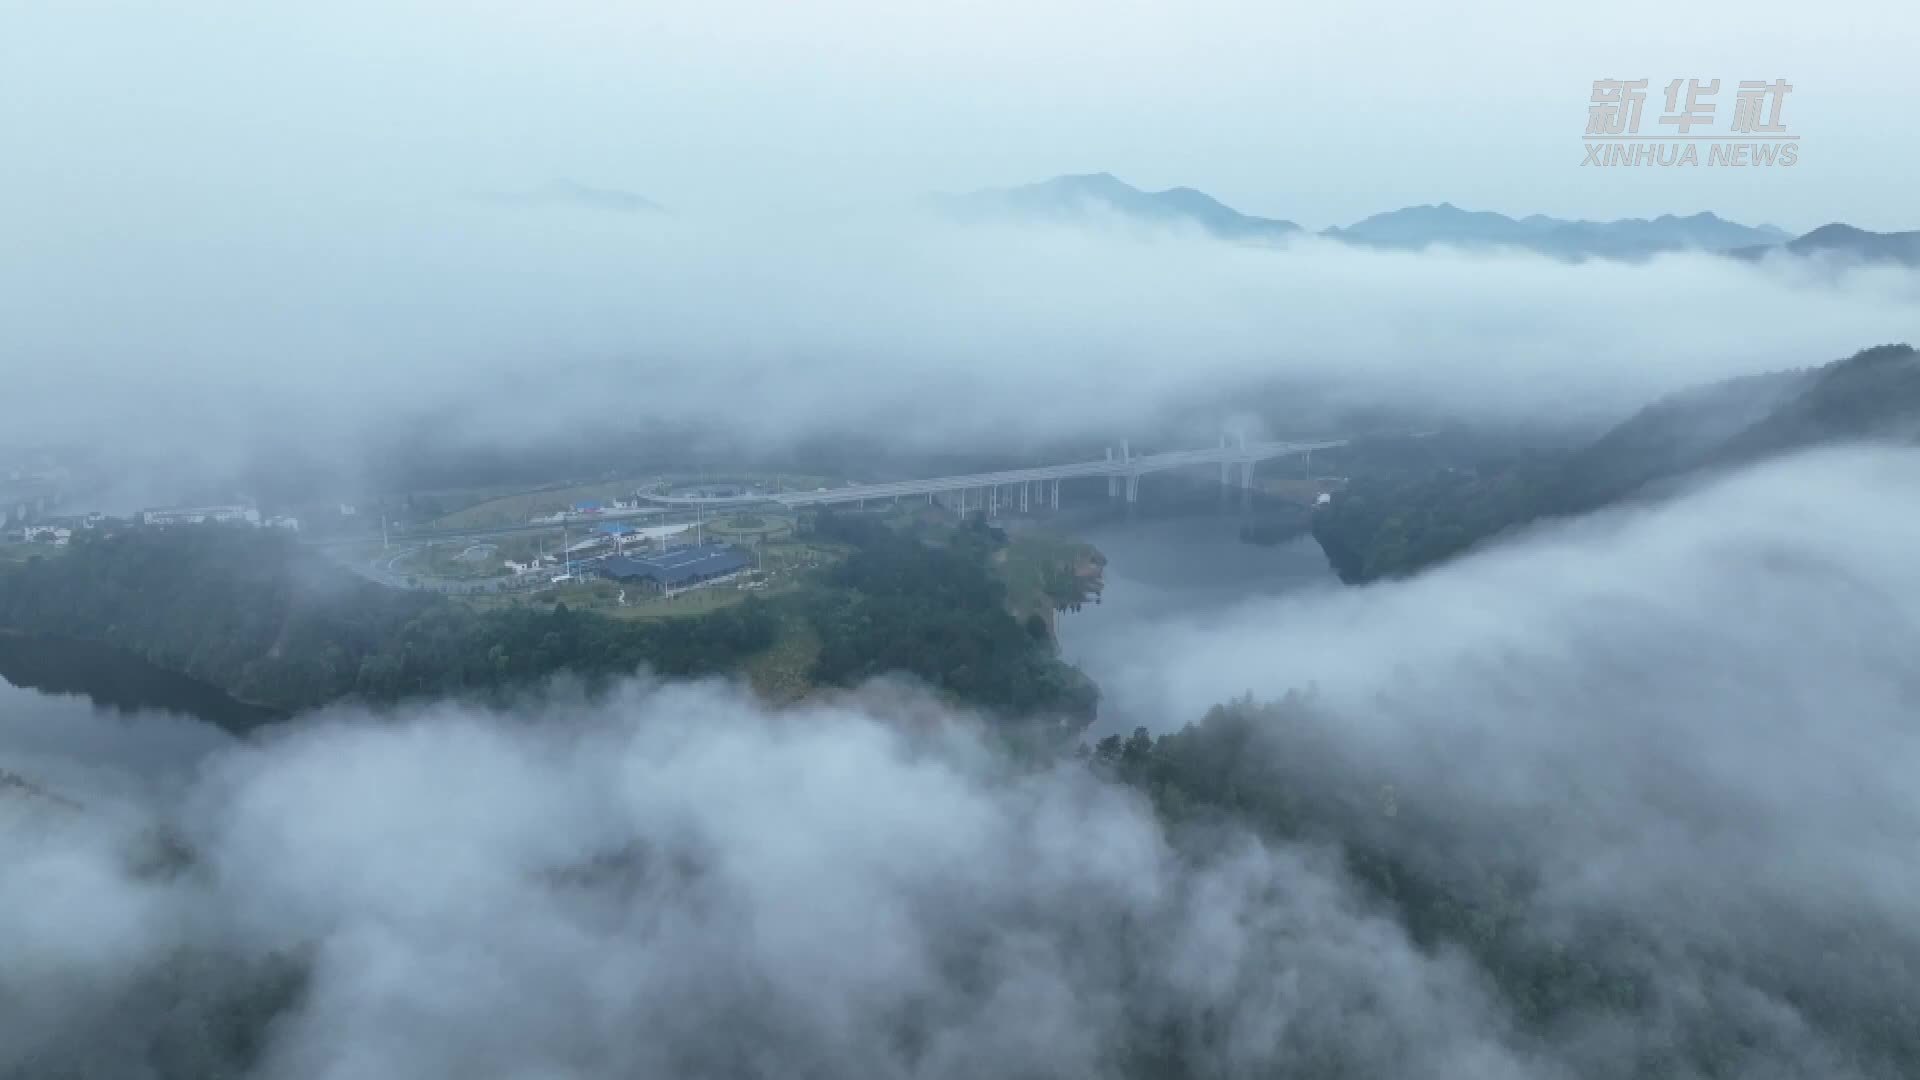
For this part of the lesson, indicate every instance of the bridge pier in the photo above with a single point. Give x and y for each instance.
(1120, 467)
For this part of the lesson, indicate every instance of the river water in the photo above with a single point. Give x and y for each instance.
(1177, 568)
(75, 716)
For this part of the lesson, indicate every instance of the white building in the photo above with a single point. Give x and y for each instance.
(57, 535)
(200, 515)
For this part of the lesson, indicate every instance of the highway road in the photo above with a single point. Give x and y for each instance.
(1126, 466)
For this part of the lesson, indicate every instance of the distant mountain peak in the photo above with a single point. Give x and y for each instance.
(565, 192)
(1444, 224)
(1074, 196)
(1838, 230)
(1841, 241)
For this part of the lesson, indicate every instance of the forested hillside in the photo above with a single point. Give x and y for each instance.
(901, 604)
(1632, 996)
(1411, 505)
(255, 613)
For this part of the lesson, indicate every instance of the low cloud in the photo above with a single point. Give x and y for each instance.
(1690, 723)
(676, 882)
(219, 336)
(1692, 720)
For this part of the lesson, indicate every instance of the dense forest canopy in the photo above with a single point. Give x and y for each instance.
(258, 614)
(1591, 979)
(1415, 502)
(1237, 895)
(900, 604)
(254, 612)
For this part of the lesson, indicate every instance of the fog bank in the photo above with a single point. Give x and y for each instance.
(1679, 738)
(675, 883)
(219, 336)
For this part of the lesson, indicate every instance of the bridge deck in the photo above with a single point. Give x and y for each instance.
(1134, 466)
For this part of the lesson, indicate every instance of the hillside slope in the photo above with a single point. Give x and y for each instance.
(1089, 197)
(1419, 509)
(1843, 242)
(1416, 228)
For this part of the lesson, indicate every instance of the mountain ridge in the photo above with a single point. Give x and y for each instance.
(1080, 197)
(1840, 240)
(1408, 507)
(1415, 228)
(1084, 197)
(563, 192)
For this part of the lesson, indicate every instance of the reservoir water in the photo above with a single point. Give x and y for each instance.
(1174, 568)
(78, 716)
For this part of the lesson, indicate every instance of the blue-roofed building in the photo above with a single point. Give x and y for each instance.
(590, 506)
(616, 529)
(679, 568)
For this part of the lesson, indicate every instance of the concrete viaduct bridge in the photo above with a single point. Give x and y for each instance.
(1028, 487)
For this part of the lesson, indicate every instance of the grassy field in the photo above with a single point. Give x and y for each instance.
(771, 528)
(588, 596)
(23, 552)
(792, 556)
(692, 602)
(517, 509)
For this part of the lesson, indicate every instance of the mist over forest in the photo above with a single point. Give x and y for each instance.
(1626, 797)
(324, 358)
(1014, 540)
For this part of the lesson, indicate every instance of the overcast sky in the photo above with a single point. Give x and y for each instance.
(232, 228)
(1320, 113)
